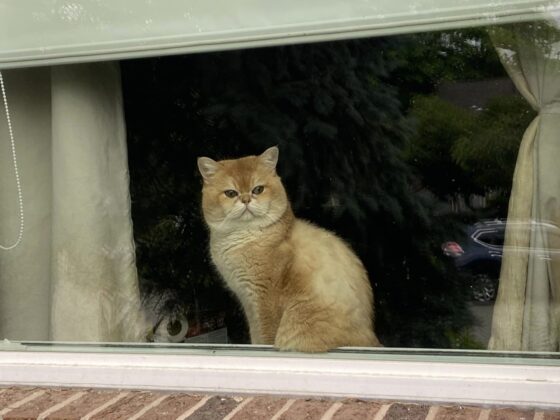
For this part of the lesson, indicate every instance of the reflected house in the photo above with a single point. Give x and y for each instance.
(474, 95)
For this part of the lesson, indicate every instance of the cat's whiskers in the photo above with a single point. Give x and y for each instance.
(240, 211)
(231, 215)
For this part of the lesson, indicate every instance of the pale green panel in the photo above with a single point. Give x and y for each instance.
(39, 32)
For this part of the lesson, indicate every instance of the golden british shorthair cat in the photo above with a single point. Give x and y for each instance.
(301, 287)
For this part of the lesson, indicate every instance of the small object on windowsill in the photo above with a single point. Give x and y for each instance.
(10, 345)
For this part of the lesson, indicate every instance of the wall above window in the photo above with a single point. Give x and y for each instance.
(40, 32)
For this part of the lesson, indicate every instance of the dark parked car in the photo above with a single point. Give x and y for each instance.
(480, 253)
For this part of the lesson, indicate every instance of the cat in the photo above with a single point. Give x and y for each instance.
(301, 287)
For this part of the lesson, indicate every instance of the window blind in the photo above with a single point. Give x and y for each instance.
(41, 32)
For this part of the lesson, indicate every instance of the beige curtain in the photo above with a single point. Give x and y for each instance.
(73, 278)
(527, 310)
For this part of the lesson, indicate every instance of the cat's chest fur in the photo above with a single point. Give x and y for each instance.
(239, 260)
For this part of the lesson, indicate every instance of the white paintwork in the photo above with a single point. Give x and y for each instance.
(457, 382)
(38, 32)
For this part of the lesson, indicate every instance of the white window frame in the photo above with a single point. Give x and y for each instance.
(457, 377)
(447, 377)
(41, 33)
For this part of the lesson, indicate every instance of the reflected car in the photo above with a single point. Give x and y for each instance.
(480, 253)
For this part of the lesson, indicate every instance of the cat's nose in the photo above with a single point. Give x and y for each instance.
(245, 198)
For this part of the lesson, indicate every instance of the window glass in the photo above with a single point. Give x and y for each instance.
(424, 163)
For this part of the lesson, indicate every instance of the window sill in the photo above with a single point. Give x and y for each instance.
(387, 374)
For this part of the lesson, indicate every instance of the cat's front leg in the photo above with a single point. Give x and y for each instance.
(262, 327)
(308, 328)
(255, 325)
(261, 333)
(256, 336)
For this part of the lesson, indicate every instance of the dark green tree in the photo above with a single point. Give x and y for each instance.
(342, 134)
(488, 153)
(431, 58)
(439, 126)
(457, 151)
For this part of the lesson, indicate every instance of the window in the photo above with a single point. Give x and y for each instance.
(424, 140)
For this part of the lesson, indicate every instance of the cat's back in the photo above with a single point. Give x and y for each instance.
(321, 248)
(330, 267)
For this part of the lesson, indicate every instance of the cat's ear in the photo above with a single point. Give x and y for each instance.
(270, 157)
(207, 167)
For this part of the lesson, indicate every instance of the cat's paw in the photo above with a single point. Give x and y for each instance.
(303, 346)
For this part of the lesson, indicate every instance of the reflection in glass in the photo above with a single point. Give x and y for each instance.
(527, 315)
(432, 155)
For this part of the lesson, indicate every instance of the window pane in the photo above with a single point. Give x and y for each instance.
(425, 164)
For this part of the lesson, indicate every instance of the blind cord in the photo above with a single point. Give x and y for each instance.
(16, 172)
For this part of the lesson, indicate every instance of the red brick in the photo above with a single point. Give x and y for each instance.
(306, 410)
(215, 408)
(511, 414)
(36, 406)
(357, 410)
(260, 408)
(457, 413)
(127, 406)
(407, 412)
(172, 407)
(13, 395)
(89, 402)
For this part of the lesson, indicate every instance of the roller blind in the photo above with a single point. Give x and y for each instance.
(40, 32)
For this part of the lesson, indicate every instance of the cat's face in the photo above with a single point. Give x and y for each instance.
(242, 193)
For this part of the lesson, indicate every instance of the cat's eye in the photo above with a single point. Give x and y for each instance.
(231, 193)
(258, 189)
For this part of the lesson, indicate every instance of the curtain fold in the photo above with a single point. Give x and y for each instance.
(527, 310)
(73, 278)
